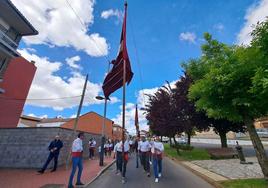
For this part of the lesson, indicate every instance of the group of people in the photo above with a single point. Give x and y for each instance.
(149, 151)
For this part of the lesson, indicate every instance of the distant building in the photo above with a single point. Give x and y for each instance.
(13, 26)
(117, 132)
(144, 133)
(17, 82)
(91, 122)
(28, 121)
(52, 122)
(261, 123)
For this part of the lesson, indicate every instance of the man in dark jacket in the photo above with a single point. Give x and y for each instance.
(54, 148)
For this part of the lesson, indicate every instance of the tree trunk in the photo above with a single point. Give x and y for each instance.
(189, 139)
(161, 138)
(170, 143)
(257, 144)
(174, 139)
(223, 139)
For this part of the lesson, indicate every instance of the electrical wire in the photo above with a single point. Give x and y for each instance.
(84, 26)
(138, 60)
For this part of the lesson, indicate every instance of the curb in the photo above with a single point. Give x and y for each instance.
(100, 173)
(204, 177)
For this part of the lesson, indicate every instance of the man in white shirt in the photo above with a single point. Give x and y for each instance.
(145, 149)
(122, 158)
(116, 156)
(157, 153)
(77, 152)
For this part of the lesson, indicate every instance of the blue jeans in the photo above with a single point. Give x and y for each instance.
(77, 162)
(157, 164)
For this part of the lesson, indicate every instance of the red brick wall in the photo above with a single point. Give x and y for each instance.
(16, 83)
(91, 123)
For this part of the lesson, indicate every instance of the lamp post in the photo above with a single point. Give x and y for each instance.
(102, 130)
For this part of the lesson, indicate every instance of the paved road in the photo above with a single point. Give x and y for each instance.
(248, 150)
(174, 176)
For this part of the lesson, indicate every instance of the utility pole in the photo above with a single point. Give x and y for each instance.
(77, 118)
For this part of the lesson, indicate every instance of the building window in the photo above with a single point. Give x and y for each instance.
(2, 63)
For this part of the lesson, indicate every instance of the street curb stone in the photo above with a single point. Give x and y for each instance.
(100, 173)
(205, 177)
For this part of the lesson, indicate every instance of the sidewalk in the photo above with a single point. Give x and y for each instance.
(18, 178)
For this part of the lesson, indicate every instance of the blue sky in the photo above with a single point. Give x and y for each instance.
(160, 35)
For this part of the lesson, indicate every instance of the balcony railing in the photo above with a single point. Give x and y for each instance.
(4, 38)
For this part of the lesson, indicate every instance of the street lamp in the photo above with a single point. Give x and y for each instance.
(102, 130)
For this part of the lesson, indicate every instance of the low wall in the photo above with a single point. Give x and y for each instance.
(28, 147)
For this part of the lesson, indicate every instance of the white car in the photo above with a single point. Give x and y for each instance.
(262, 132)
(182, 140)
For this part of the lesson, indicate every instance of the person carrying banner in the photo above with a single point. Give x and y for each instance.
(145, 149)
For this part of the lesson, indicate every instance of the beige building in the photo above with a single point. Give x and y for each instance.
(261, 123)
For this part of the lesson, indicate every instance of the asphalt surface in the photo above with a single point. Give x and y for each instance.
(247, 150)
(173, 176)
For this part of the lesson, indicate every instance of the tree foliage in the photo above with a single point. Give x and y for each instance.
(231, 82)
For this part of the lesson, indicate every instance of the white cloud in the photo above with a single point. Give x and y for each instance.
(219, 27)
(73, 116)
(72, 62)
(256, 13)
(46, 85)
(111, 12)
(42, 116)
(58, 25)
(188, 36)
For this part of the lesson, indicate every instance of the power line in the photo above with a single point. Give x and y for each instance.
(138, 60)
(84, 26)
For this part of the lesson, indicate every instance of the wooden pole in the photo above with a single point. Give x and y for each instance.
(76, 119)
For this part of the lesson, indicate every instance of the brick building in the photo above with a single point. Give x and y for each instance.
(117, 132)
(91, 122)
(17, 82)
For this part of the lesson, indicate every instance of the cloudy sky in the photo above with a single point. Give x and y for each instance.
(80, 37)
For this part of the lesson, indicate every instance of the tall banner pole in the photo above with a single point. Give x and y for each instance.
(101, 162)
(124, 96)
(76, 119)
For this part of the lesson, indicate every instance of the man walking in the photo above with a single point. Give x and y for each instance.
(145, 149)
(54, 148)
(77, 151)
(136, 148)
(116, 149)
(157, 154)
(123, 158)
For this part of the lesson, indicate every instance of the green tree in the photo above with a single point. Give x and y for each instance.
(231, 82)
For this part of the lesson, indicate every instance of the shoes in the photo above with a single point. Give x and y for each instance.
(53, 170)
(117, 172)
(150, 163)
(148, 174)
(123, 180)
(79, 183)
(159, 175)
(70, 186)
(156, 180)
(40, 171)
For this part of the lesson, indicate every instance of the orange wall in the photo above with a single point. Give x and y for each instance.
(92, 123)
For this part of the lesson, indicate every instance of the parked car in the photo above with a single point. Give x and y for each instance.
(181, 140)
(262, 132)
(165, 139)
